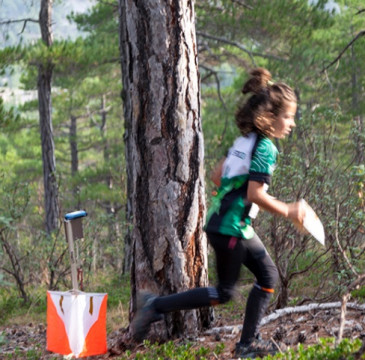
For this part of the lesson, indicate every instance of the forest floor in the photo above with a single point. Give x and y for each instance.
(304, 327)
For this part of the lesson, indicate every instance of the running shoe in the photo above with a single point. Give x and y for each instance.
(146, 315)
(257, 348)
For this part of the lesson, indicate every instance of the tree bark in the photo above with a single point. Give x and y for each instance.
(45, 72)
(164, 154)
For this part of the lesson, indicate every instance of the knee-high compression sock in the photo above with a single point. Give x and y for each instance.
(257, 303)
(186, 300)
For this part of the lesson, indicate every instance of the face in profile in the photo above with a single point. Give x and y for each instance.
(284, 121)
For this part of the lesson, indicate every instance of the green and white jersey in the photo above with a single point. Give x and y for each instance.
(252, 157)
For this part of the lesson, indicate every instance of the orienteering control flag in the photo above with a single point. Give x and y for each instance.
(76, 323)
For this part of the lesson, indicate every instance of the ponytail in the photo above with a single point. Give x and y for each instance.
(259, 80)
(266, 102)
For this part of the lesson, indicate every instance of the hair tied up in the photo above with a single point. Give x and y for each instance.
(258, 81)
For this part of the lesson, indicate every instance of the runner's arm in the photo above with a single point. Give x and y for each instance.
(216, 174)
(257, 195)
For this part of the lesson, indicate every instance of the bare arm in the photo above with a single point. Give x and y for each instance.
(257, 194)
(217, 173)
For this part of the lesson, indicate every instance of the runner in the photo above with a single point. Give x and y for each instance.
(242, 179)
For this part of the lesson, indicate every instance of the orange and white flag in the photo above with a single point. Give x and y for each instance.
(76, 323)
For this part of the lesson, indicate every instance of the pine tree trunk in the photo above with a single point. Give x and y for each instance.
(74, 160)
(164, 154)
(45, 72)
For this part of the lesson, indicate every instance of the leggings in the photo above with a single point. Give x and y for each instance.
(231, 253)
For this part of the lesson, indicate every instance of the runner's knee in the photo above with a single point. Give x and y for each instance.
(225, 294)
(270, 278)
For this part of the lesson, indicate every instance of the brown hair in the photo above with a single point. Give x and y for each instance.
(267, 101)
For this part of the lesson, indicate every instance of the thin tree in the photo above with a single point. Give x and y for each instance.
(44, 85)
(164, 154)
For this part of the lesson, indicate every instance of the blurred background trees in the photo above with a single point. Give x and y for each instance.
(316, 46)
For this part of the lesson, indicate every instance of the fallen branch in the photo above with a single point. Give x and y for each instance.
(286, 311)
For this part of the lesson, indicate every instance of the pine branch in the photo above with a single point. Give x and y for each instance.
(361, 33)
(24, 21)
(239, 46)
(8, 22)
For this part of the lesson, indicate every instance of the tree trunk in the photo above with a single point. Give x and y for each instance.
(74, 160)
(74, 149)
(164, 154)
(45, 72)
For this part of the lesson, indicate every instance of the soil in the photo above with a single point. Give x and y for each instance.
(291, 329)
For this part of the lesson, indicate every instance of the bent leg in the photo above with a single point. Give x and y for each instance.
(259, 262)
(229, 257)
(228, 252)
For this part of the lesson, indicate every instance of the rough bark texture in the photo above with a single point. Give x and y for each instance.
(164, 153)
(45, 72)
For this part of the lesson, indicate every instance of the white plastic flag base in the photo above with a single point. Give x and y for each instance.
(76, 323)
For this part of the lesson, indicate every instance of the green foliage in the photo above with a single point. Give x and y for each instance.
(13, 307)
(14, 199)
(117, 287)
(33, 354)
(324, 350)
(359, 294)
(10, 55)
(7, 116)
(169, 350)
(2, 339)
(10, 303)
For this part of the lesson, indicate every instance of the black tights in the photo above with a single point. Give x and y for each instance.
(230, 253)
